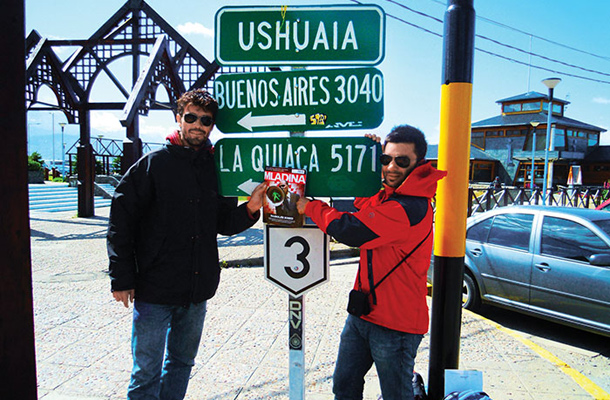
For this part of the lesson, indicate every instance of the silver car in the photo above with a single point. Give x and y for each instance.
(551, 262)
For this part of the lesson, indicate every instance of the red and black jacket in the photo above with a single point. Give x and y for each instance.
(386, 228)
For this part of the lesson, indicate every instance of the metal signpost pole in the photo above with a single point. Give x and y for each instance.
(296, 333)
(291, 265)
(296, 346)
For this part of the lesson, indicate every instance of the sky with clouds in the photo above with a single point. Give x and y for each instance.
(567, 39)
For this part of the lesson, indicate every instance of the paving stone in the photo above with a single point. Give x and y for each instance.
(83, 335)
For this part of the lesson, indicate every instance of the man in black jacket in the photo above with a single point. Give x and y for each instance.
(164, 219)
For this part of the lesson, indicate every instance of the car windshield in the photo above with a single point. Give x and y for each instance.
(604, 225)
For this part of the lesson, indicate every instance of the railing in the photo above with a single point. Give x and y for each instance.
(105, 151)
(485, 199)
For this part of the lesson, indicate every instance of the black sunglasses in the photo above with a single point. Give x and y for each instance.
(206, 120)
(401, 161)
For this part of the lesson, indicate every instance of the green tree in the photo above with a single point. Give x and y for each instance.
(35, 156)
(99, 167)
(116, 165)
(35, 162)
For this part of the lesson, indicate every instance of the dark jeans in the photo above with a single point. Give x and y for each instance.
(164, 344)
(364, 343)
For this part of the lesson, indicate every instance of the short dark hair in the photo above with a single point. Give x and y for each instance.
(409, 134)
(200, 98)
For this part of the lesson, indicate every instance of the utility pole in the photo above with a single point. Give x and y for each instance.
(452, 194)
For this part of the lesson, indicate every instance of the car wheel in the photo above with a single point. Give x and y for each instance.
(471, 299)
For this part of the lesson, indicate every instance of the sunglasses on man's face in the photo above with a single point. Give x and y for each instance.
(206, 120)
(401, 161)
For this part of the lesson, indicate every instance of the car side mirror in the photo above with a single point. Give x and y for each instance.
(601, 260)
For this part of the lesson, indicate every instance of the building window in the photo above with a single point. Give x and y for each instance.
(531, 106)
(557, 108)
(514, 132)
(524, 174)
(521, 107)
(478, 139)
(481, 171)
(559, 139)
(508, 108)
(593, 139)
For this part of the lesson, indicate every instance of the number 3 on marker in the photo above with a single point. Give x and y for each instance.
(301, 257)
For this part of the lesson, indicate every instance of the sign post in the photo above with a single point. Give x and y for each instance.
(299, 100)
(291, 265)
(296, 348)
(300, 35)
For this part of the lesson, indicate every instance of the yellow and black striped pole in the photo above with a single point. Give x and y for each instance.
(452, 195)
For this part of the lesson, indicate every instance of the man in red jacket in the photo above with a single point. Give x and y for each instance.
(393, 229)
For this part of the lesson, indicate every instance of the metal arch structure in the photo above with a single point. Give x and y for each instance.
(135, 30)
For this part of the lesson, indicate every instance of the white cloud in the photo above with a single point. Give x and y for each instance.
(154, 133)
(195, 28)
(601, 100)
(105, 122)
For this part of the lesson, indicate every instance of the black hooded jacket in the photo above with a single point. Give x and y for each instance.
(164, 219)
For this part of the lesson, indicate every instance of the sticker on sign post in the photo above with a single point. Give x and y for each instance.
(296, 259)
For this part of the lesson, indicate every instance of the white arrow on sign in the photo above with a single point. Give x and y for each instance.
(248, 186)
(249, 121)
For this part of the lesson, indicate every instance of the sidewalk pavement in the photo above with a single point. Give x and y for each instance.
(83, 335)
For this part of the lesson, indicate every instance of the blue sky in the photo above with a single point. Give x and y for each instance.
(563, 30)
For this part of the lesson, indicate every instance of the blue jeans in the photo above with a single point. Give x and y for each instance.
(164, 344)
(364, 343)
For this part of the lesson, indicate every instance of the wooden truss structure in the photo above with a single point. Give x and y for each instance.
(135, 30)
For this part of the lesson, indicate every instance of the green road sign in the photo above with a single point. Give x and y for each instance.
(336, 167)
(300, 35)
(301, 100)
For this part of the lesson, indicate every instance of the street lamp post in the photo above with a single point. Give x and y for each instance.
(28, 135)
(53, 141)
(63, 150)
(534, 124)
(550, 83)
